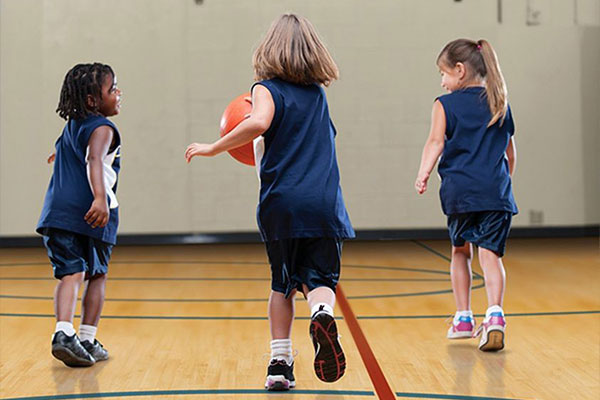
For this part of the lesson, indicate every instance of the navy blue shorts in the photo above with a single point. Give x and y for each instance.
(487, 229)
(314, 262)
(71, 253)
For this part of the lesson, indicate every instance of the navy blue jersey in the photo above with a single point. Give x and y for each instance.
(69, 194)
(474, 166)
(300, 194)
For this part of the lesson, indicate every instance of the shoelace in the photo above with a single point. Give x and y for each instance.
(267, 356)
(449, 320)
(478, 331)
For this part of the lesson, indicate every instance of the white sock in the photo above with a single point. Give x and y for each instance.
(66, 327)
(321, 307)
(281, 349)
(466, 313)
(493, 309)
(87, 332)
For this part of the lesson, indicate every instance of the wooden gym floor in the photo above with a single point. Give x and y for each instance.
(190, 322)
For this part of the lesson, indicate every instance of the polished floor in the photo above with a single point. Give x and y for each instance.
(190, 322)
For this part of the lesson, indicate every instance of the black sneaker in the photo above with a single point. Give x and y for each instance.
(280, 376)
(96, 350)
(330, 362)
(69, 350)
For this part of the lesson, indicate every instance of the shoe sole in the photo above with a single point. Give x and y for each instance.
(69, 358)
(494, 342)
(330, 361)
(460, 335)
(278, 383)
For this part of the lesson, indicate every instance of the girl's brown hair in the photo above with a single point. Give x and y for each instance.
(480, 59)
(293, 51)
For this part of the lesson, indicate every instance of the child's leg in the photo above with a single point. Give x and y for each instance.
(495, 276)
(321, 296)
(281, 314)
(461, 275)
(65, 297)
(330, 361)
(463, 325)
(493, 327)
(93, 300)
(280, 372)
(91, 307)
(65, 343)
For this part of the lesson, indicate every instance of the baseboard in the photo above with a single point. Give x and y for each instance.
(361, 235)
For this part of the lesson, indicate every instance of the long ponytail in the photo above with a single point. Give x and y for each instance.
(482, 60)
(495, 86)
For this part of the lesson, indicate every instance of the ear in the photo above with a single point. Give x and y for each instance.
(460, 70)
(91, 102)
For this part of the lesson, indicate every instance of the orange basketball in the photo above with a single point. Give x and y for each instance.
(236, 112)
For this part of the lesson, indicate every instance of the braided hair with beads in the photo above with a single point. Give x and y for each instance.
(81, 91)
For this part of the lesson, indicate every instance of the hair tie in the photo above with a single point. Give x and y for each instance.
(479, 47)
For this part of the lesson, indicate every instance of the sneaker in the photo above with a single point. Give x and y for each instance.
(95, 349)
(280, 375)
(464, 328)
(69, 350)
(330, 362)
(492, 332)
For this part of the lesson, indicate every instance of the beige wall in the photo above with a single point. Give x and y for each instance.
(180, 63)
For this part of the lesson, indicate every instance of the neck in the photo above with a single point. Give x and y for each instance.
(473, 83)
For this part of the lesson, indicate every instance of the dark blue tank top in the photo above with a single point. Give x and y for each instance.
(69, 195)
(300, 194)
(474, 167)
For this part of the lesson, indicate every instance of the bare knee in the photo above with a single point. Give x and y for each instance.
(76, 278)
(98, 278)
(463, 251)
(487, 255)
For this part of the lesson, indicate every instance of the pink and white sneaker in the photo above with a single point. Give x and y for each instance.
(461, 328)
(492, 332)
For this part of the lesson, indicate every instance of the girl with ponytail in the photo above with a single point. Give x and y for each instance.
(472, 129)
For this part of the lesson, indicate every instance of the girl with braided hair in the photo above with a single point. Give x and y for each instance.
(79, 218)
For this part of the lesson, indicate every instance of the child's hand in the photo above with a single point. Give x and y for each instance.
(421, 183)
(98, 214)
(51, 158)
(199, 149)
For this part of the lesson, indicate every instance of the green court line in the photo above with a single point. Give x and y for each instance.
(210, 300)
(250, 318)
(445, 257)
(447, 396)
(194, 392)
(431, 250)
(158, 279)
(532, 314)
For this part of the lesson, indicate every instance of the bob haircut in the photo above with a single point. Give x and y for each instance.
(292, 51)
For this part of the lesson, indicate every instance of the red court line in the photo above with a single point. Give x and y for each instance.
(382, 388)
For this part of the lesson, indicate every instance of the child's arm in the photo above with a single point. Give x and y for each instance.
(511, 154)
(433, 147)
(255, 125)
(98, 145)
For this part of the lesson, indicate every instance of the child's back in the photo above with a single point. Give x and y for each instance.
(300, 194)
(474, 169)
